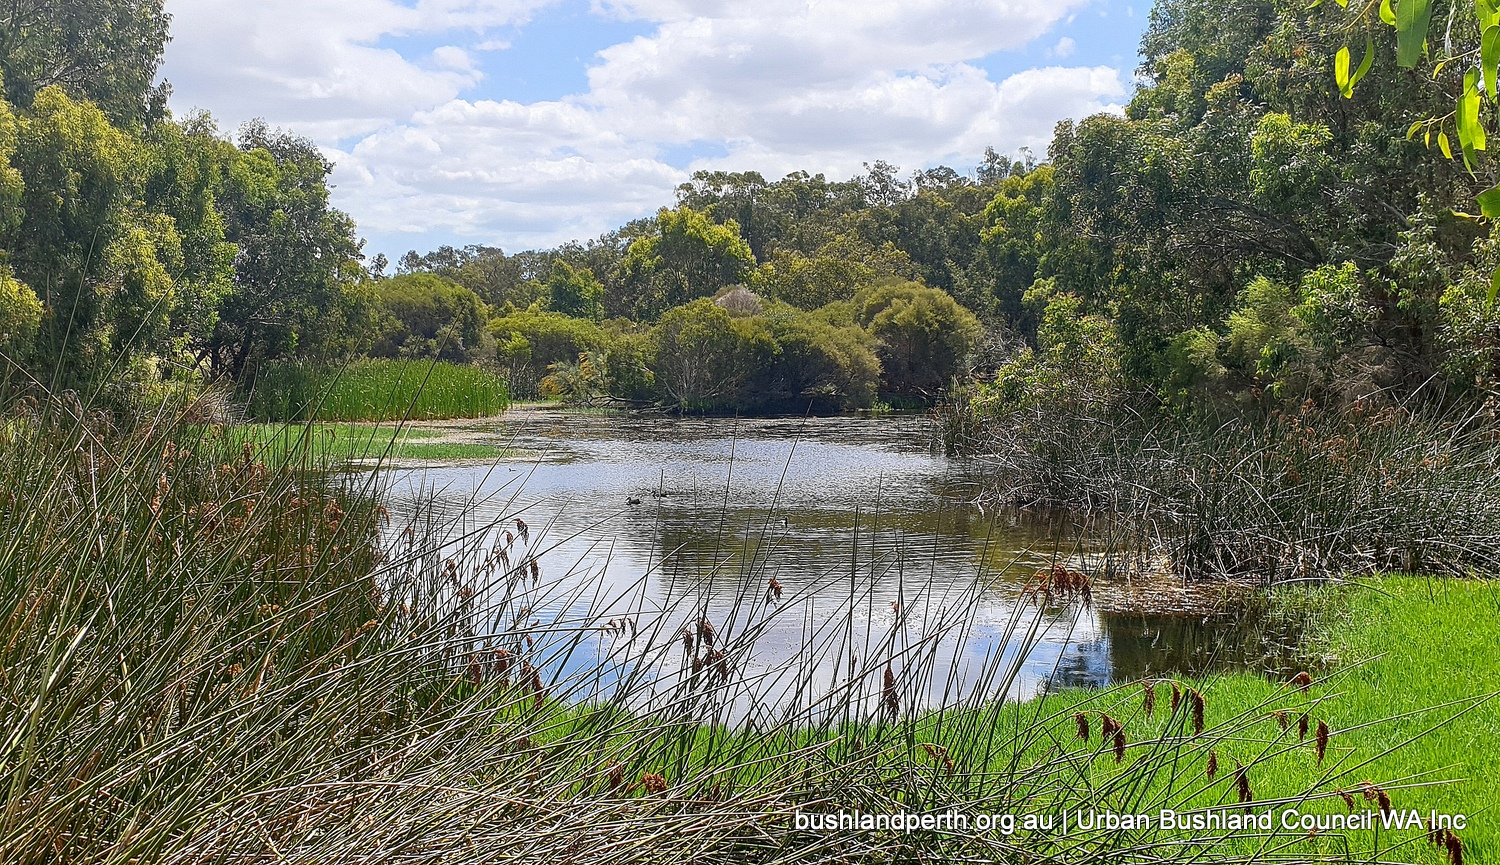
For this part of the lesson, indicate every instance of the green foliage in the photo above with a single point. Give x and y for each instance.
(297, 276)
(575, 292)
(426, 316)
(103, 51)
(375, 390)
(705, 356)
(20, 313)
(684, 257)
(834, 273)
(1075, 369)
(528, 342)
(925, 337)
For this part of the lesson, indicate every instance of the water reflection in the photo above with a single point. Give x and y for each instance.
(880, 558)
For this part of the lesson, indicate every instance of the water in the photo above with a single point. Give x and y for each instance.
(881, 558)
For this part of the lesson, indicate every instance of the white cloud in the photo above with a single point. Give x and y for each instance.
(1064, 47)
(316, 65)
(773, 86)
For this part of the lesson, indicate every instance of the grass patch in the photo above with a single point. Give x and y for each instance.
(376, 390)
(344, 441)
(1409, 697)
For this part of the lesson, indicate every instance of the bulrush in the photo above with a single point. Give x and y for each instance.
(653, 782)
(1348, 799)
(773, 590)
(1378, 796)
(1057, 583)
(1195, 699)
(1176, 697)
(1148, 698)
(1082, 721)
(1302, 728)
(616, 775)
(706, 633)
(890, 700)
(1455, 849)
(1302, 680)
(1213, 764)
(1320, 743)
(1119, 744)
(1281, 718)
(1108, 726)
(523, 530)
(1242, 783)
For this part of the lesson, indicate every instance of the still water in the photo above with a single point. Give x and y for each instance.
(880, 558)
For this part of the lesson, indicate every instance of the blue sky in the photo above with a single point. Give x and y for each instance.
(525, 123)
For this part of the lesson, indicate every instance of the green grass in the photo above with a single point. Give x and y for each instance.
(346, 441)
(376, 389)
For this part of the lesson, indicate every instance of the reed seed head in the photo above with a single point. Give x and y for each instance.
(1082, 721)
(1242, 783)
(1320, 742)
(1148, 698)
(1213, 765)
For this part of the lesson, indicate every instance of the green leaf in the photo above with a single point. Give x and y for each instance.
(1364, 64)
(1341, 72)
(1489, 54)
(1443, 145)
(1494, 286)
(1387, 14)
(1489, 202)
(1412, 18)
(1470, 130)
(1412, 132)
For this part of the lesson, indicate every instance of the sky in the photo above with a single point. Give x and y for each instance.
(526, 123)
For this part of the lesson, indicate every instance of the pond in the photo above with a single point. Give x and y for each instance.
(821, 551)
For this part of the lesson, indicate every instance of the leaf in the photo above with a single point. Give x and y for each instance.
(1412, 18)
(1489, 202)
(1364, 64)
(1489, 54)
(1341, 72)
(1494, 286)
(1412, 132)
(1470, 130)
(1387, 14)
(1443, 145)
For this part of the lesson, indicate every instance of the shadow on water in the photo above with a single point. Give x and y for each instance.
(866, 531)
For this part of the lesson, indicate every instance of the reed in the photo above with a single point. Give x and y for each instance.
(375, 389)
(211, 655)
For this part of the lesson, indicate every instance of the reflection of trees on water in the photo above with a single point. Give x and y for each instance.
(1144, 645)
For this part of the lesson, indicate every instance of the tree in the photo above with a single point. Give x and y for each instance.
(103, 51)
(704, 356)
(925, 337)
(298, 282)
(424, 315)
(685, 257)
(575, 291)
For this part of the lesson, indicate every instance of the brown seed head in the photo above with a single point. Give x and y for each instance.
(1302, 680)
(1197, 701)
(1176, 697)
(1082, 720)
(1455, 849)
(1148, 698)
(1119, 745)
(1242, 782)
(1320, 742)
(653, 782)
(1213, 765)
